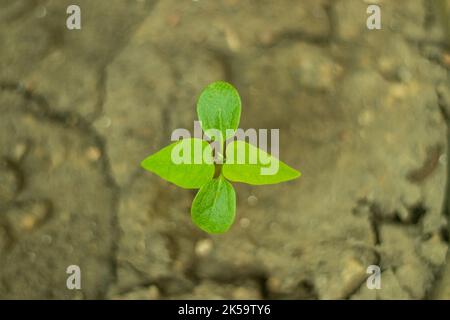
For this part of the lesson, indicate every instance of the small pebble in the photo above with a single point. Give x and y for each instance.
(203, 247)
(446, 59)
(232, 39)
(103, 122)
(273, 284)
(153, 292)
(244, 222)
(41, 12)
(443, 159)
(174, 19)
(93, 153)
(20, 149)
(29, 217)
(252, 200)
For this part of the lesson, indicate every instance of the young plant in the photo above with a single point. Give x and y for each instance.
(214, 207)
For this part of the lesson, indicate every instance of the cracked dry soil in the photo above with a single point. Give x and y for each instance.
(361, 113)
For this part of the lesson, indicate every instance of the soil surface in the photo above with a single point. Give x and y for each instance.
(361, 113)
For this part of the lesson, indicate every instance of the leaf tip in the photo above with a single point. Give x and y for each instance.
(146, 163)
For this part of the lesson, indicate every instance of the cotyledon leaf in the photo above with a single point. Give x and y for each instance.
(214, 207)
(249, 164)
(187, 163)
(219, 108)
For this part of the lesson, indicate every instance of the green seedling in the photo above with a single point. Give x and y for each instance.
(214, 207)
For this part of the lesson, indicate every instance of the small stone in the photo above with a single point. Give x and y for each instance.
(41, 12)
(443, 159)
(93, 153)
(20, 149)
(273, 284)
(153, 293)
(352, 275)
(232, 39)
(28, 217)
(203, 247)
(174, 19)
(446, 59)
(244, 223)
(403, 214)
(398, 91)
(252, 200)
(267, 37)
(103, 122)
(244, 293)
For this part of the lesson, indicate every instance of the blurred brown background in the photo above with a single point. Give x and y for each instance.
(360, 113)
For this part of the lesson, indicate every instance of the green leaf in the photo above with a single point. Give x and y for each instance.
(219, 107)
(246, 163)
(214, 207)
(187, 163)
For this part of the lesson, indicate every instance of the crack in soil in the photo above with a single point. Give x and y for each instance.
(73, 120)
(378, 218)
